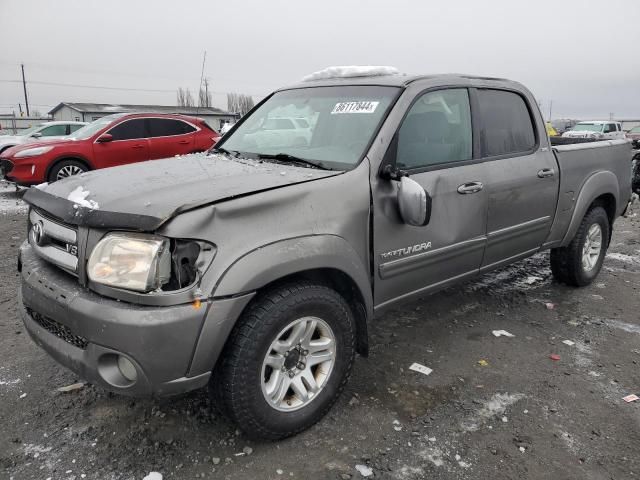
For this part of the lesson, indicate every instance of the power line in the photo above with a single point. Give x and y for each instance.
(104, 87)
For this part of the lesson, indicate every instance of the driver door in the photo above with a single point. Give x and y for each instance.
(435, 145)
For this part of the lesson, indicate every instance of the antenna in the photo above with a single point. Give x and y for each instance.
(204, 59)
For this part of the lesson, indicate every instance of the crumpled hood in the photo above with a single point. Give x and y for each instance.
(145, 195)
(580, 134)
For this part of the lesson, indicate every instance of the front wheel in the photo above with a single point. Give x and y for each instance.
(287, 360)
(66, 168)
(579, 263)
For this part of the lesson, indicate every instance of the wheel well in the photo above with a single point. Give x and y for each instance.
(345, 286)
(608, 202)
(6, 148)
(76, 159)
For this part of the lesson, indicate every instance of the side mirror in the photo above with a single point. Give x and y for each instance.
(414, 203)
(104, 138)
(36, 135)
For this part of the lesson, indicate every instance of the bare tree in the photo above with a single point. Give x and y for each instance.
(239, 103)
(184, 98)
(205, 98)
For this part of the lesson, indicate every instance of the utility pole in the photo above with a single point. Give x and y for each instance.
(206, 92)
(550, 107)
(24, 87)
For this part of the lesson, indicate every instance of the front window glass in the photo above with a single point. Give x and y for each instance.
(436, 130)
(30, 130)
(54, 130)
(89, 130)
(340, 123)
(588, 127)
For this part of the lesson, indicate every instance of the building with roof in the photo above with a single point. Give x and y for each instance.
(88, 112)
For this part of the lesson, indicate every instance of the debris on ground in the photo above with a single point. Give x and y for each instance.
(23, 395)
(631, 398)
(72, 387)
(502, 333)
(569, 342)
(364, 470)
(416, 367)
(483, 363)
(550, 306)
(554, 357)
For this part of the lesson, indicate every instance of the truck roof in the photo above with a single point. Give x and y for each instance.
(395, 79)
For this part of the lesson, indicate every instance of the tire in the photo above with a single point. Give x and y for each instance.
(239, 382)
(66, 168)
(568, 264)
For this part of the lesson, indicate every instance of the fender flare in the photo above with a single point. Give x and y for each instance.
(600, 183)
(269, 263)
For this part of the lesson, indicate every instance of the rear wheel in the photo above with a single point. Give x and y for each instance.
(578, 263)
(286, 361)
(66, 168)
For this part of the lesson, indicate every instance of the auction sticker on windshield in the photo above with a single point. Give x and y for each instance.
(355, 107)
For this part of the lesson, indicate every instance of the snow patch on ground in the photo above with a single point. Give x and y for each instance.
(496, 405)
(621, 257)
(79, 197)
(351, 71)
(10, 199)
(627, 327)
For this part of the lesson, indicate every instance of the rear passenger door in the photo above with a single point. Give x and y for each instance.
(170, 137)
(435, 147)
(522, 176)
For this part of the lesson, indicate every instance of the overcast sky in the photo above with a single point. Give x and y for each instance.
(584, 55)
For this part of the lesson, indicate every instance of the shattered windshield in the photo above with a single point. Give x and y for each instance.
(326, 126)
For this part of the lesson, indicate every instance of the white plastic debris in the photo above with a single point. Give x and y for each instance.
(349, 71)
(364, 470)
(631, 398)
(522, 449)
(416, 367)
(23, 395)
(569, 342)
(505, 419)
(79, 197)
(550, 306)
(72, 387)
(153, 476)
(502, 333)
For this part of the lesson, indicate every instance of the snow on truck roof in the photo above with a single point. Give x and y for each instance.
(351, 71)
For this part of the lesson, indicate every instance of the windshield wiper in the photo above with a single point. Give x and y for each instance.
(233, 153)
(285, 157)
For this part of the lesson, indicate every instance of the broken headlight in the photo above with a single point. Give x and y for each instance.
(131, 261)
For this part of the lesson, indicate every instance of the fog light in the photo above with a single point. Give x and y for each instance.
(127, 369)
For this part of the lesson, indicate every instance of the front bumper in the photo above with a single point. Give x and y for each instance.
(86, 333)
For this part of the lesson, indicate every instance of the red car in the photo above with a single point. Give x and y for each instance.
(107, 142)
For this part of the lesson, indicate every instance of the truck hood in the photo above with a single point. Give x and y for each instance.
(142, 196)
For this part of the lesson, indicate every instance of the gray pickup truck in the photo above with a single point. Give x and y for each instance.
(257, 267)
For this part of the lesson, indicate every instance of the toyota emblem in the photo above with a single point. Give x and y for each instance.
(38, 232)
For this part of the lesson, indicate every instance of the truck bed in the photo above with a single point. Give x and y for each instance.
(589, 162)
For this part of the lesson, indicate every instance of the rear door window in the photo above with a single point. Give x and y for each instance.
(73, 127)
(506, 125)
(129, 129)
(167, 127)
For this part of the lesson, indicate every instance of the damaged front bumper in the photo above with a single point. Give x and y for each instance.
(126, 348)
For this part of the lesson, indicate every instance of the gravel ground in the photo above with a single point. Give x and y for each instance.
(493, 407)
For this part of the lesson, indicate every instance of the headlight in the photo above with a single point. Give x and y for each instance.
(32, 152)
(132, 261)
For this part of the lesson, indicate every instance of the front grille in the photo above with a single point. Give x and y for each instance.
(61, 331)
(54, 241)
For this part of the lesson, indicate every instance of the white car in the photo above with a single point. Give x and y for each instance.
(281, 132)
(45, 130)
(596, 129)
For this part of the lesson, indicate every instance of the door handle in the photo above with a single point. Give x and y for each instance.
(470, 187)
(546, 172)
(137, 146)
